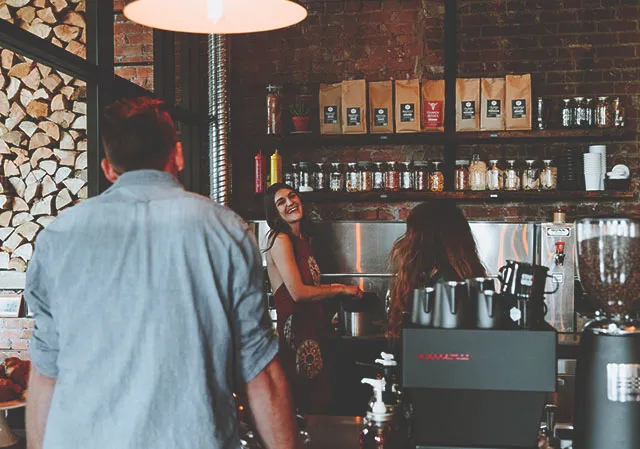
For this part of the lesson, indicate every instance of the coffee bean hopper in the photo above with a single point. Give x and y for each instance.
(608, 372)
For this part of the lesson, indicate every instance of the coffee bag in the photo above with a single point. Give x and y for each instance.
(492, 104)
(467, 104)
(354, 107)
(381, 107)
(433, 106)
(518, 98)
(407, 106)
(330, 104)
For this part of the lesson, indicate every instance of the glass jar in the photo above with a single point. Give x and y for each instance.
(566, 114)
(618, 112)
(392, 178)
(589, 106)
(530, 176)
(549, 176)
(436, 178)
(295, 170)
(494, 176)
(289, 176)
(320, 177)
(511, 178)
(604, 113)
(378, 176)
(353, 178)
(366, 176)
(421, 176)
(336, 178)
(477, 174)
(406, 176)
(306, 177)
(580, 112)
(541, 120)
(274, 110)
(461, 181)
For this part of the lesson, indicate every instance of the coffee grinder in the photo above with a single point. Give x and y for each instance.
(607, 411)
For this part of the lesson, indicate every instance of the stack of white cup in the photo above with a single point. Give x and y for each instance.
(602, 150)
(592, 171)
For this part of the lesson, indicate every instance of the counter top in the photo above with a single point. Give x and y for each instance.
(335, 432)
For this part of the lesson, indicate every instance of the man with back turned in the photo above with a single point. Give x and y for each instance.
(149, 307)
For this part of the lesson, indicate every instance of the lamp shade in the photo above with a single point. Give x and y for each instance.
(215, 16)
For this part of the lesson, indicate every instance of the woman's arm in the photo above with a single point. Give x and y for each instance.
(284, 259)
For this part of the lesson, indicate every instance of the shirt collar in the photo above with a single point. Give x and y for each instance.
(146, 177)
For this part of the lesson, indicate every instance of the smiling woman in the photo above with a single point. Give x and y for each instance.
(295, 277)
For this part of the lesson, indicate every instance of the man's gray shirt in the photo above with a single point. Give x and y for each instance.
(148, 305)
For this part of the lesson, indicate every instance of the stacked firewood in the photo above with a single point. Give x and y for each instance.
(61, 22)
(43, 151)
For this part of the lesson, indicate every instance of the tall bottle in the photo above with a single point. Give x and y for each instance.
(276, 168)
(258, 167)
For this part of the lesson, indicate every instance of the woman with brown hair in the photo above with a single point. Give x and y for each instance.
(437, 246)
(295, 278)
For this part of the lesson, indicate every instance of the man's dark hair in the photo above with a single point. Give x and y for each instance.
(138, 133)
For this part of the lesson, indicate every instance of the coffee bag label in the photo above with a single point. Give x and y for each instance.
(432, 114)
(519, 108)
(408, 112)
(493, 109)
(381, 117)
(468, 110)
(330, 115)
(353, 117)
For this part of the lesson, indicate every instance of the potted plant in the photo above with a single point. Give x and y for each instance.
(300, 116)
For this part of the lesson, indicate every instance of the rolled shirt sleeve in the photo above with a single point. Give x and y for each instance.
(256, 341)
(44, 340)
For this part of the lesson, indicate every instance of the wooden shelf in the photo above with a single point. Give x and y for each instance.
(500, 196)
(440, 138)
(547, 134)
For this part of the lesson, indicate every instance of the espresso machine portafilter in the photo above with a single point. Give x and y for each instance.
(608, 371)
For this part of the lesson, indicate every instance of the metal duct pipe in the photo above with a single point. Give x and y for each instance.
(219, 126)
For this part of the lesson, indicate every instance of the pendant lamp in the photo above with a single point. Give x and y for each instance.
(215, 16)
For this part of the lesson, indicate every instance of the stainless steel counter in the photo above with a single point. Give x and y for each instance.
(333, 432)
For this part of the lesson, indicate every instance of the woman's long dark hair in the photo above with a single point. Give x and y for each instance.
(276, 224)
(438, 240)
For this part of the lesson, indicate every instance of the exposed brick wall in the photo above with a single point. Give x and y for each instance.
(571, 47)
(14, 337)
(133, 49)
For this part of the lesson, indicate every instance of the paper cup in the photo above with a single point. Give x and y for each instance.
(592, 182)
(602, 151)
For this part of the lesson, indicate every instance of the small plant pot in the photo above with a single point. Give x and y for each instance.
(301, 123)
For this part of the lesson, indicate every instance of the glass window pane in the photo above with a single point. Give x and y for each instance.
(133, 51)
(61, 22)
(43, 151)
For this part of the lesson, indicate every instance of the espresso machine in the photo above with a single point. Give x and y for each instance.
(607, 413)
(477, 378)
